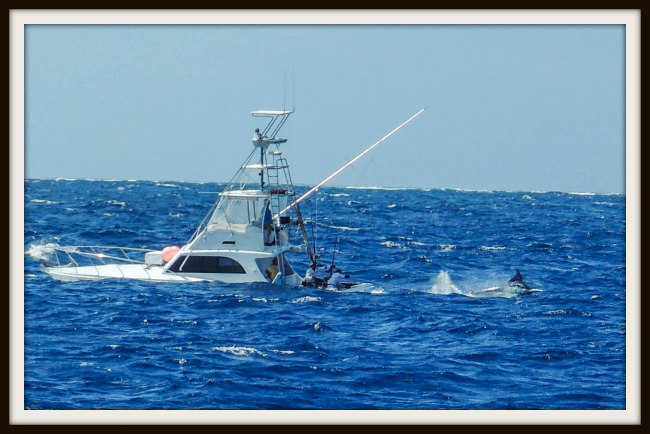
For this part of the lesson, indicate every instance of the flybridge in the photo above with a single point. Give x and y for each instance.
(278, 117)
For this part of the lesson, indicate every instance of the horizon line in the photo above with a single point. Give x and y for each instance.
(351, 187)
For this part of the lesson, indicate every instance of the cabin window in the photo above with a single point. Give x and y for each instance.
(207, 264)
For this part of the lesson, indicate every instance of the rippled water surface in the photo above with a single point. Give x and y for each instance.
(425, 337)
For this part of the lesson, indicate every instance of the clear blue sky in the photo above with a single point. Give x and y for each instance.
(509, 107)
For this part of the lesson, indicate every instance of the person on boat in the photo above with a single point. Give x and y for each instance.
(321, 274)
(273, 270)
(335, 280)
(257, 136)
(309, 274)
(268, 226)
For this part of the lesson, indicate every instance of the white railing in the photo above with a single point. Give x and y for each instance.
(95, 255)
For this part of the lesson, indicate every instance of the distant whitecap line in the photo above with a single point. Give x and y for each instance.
(466, 190)
(581, 194)
(372, 187)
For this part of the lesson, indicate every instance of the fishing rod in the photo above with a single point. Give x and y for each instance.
(346, 165)
(313, 226)
(333, 255)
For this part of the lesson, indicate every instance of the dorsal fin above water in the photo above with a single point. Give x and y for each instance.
(517, 277)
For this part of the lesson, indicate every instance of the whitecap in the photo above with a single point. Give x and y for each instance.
(46, 202)
(283, 351)
(447, 247)
(525, 196)
(239, 351)
(339, 195)
(344, 228)
(306, 299)
(390, 244)
(392, 205)
(488, 248)
(582, 194)
(555, 312)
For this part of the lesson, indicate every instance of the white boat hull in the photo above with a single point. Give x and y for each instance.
(142, 272)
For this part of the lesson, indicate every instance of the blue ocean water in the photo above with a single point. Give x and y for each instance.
(424, 338)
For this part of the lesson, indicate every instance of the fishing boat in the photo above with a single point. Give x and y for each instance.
(244, 238)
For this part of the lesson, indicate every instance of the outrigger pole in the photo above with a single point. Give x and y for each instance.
(295, 202)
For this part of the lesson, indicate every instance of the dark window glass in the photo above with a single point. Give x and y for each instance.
(207, 264)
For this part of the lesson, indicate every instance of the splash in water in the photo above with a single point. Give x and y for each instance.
(442, 285)
(41, 252)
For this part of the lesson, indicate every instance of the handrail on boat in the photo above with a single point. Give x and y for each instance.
(100, 253)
